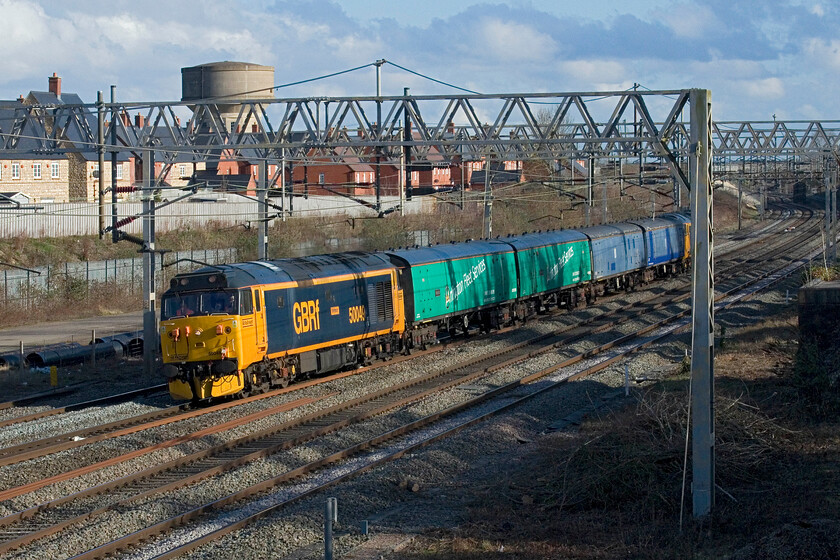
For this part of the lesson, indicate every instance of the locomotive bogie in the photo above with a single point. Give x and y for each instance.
(198, 382)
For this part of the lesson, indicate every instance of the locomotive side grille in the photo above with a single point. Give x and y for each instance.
(373, 304)
(385, 309)
(380, 302)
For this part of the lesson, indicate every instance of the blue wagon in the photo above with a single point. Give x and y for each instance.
(664, 240)
(617, 250)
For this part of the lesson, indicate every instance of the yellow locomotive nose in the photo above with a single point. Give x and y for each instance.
(200, 356)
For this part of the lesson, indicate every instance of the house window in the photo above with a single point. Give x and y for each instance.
(36, 170)
(321, 178)
(182, 170)
(54, 171)
(15, 171)
(119, 171)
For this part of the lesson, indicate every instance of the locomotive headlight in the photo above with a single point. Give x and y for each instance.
(219, 329)
(198, 332)
(227, 330)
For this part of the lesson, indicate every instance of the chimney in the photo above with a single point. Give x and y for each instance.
(450, 127)
(55, 85)
(126, 120)
(139, 121)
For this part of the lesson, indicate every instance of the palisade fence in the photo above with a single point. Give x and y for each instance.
(27, 288)
(59, 220)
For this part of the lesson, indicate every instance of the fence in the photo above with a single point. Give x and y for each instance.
(27, 288)
(59, 220)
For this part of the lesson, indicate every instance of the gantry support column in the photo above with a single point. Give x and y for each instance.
(149, 304)
(100, 151)
(703, 312)
(262, 194)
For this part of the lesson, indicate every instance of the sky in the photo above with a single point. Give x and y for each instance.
(759, 59)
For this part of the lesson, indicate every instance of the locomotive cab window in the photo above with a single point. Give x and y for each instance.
(246, 306)
(191, 304)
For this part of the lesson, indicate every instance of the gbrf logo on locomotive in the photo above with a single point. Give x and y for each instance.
(307, 316)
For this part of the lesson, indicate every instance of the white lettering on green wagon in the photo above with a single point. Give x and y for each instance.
(470, 276)
(561, 262)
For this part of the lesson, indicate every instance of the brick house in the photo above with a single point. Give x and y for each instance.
(68, 175)
(40, 175)
(325, 176)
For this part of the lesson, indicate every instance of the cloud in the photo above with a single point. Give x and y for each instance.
(513, 42)
(750, 55)
(767, 88)
(592, 71)
(823, 52)
(691, 21)
(30, 37)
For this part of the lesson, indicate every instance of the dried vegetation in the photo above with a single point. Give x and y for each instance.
(619, 488)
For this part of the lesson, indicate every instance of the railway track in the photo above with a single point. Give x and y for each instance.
(271, 446)
(776, 212)
(387, 446)
(110, 399)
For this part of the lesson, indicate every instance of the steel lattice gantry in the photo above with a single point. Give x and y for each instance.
(514, 126)
(510, 126)
(503, 126)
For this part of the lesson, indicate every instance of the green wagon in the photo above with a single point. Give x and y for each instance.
(453, 280)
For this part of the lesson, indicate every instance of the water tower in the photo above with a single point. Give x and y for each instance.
(232, 80)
